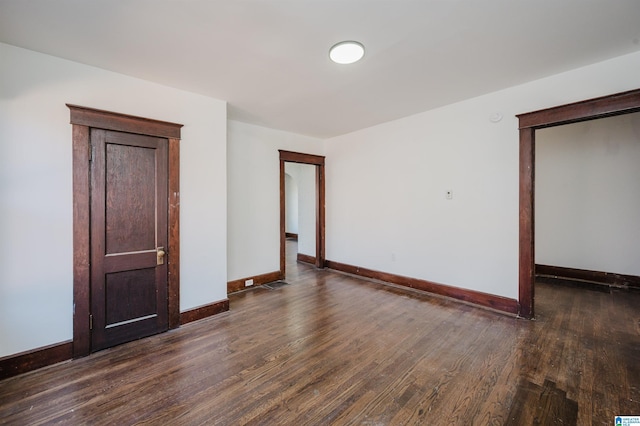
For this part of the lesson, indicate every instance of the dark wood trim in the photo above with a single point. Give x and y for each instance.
(605, 278)
(237, 285)
(527, 250)
(305, 258)
(83, 119)
(32, 360)
(486, 300)
(81, 249)
(605, 106)
(318, 161)
(174, 235)
(283, 225)
(298, 157)
(100, 119)
(590, 109)
(291, 235)
(204, 311)
(320, 218)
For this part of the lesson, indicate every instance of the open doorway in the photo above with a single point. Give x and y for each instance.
(587, 203)
(301, 212)
(617, 104)
(312, 181)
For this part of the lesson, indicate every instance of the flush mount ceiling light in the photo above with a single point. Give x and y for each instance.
(346, 52)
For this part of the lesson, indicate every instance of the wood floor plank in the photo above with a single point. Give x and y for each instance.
(329, 348)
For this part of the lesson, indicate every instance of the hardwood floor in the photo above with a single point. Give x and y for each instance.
(327, 348)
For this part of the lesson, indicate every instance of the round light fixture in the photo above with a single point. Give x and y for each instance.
(346, 52)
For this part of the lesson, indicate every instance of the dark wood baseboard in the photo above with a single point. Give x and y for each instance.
(591, 277)
(237, 285)
(291, 235)
(305, 258)
(204, 311)
(24, 362)
(498, 303)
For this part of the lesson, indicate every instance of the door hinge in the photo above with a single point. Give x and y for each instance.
(90, 322)
(90, 152)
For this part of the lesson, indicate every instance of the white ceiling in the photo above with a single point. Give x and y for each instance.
(269, 58)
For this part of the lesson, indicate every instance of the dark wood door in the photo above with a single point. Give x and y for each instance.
(128, 237)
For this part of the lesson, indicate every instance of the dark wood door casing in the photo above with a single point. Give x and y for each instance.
(591, 109)
(318, 162)
(84, 119)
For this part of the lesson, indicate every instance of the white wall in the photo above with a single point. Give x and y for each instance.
(386, 206)
(253, 165)
(291, 204)
(36, 277)
(587, 196)
(305, 177)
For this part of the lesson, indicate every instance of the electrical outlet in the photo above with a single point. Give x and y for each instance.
(449, 195)
(248, 283)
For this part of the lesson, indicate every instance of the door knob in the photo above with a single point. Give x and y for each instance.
(160, 254)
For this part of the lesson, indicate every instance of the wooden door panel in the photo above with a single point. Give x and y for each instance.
(130, 295)
(130, 196)
(128, 225)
